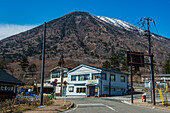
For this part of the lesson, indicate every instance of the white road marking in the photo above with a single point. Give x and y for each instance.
(126, 102)
(94, 104)
(111, 108)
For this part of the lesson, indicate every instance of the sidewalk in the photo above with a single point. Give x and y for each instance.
(147, 104)
(57, 106)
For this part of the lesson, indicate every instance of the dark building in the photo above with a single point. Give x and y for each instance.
(8, 85)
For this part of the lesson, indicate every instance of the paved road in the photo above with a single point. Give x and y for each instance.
(102, 105)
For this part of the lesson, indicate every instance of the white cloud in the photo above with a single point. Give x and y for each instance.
(7, 30)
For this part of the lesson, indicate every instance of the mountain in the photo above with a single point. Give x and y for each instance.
(85, 38)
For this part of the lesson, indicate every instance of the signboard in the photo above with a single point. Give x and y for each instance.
(7, 91)
(92, 80)
(135, 59)
(6, 88)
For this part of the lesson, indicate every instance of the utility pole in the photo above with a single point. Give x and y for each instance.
(131, 79)
(43, 62)
(149, 50)
(152, 87)
(62, 62)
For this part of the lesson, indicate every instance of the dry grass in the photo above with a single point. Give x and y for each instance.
(6, 106)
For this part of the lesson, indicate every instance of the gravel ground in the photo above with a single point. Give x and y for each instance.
(57, 106)
(157, 106)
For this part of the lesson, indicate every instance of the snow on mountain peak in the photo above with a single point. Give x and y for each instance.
(119, 23)
(125, 25)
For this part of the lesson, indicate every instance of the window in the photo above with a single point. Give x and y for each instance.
(104, 76)
(64, 74)
(73, 78)
(55, 75)
(96, 76)
(112, 89)
(81, 90)
(71, 88)
(83, 77)
(113, 77)
(123, 89)
(105, 88)
(122, 79)
(118, 89)
(86, 77)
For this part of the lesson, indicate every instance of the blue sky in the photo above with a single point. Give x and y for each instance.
(20, 15)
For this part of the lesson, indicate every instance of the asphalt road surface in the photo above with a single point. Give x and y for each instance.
(102, 105)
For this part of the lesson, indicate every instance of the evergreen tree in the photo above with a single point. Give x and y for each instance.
(167, 67)
(24, 63)
(106, 64)
(61, 61)
(32, 68)
(115, 62)
(124, 65)
(3, 63)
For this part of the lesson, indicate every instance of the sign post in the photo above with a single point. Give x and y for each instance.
(132, 59)
(137, 59)
(65, 85)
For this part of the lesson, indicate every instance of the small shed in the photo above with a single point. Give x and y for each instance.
(8, 85)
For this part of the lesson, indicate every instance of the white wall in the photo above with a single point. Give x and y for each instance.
(75, 89)
(105, 83)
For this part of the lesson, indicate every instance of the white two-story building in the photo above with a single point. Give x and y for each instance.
(86, 80)
(55, 74)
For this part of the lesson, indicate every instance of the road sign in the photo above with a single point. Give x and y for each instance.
(55, 80)
(65, 83)
(54, 83)
(138, 57)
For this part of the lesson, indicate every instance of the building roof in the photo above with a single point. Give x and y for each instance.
(103, 69)
(9, 79)
(59, 68)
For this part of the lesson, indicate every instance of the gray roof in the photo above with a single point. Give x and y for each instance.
(103, 69)
(9, 79)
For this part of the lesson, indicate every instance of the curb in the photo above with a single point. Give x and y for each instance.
(71, 106)
(126, 102)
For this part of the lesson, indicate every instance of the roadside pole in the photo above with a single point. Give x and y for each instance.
(153, 82)
(43, 62)
(65, 85)
(65, 97)
(131, 80)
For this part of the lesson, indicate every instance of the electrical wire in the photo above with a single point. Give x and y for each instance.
(156, 27)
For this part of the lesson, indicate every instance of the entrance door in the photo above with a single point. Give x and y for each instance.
(92, 90)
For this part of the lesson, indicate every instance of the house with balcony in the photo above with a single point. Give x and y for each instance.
(86, 80)
(55, 74)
